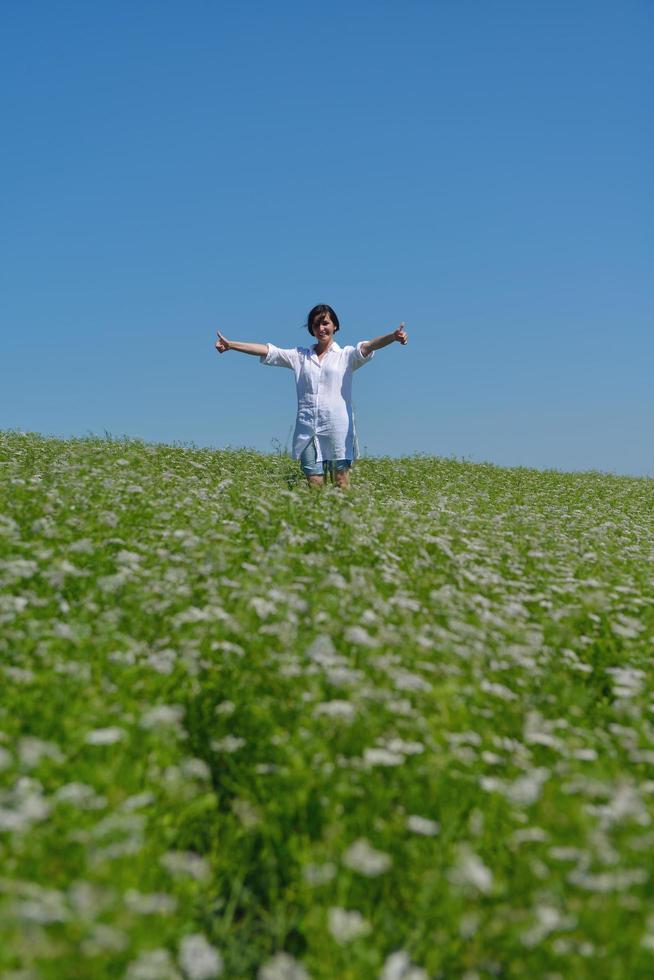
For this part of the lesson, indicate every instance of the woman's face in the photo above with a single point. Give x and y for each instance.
(323, 328)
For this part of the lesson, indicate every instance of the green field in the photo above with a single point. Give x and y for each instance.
(404, 732)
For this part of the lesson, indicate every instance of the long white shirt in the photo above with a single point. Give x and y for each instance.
(324, 397)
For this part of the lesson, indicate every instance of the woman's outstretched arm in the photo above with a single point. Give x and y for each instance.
(400, 335)
(222, 345)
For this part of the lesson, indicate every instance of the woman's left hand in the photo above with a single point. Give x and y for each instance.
(401, 334)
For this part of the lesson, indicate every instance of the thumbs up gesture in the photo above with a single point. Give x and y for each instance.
(222, 344)
(401, 334)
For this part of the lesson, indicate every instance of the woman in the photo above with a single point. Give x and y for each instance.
(324, 429)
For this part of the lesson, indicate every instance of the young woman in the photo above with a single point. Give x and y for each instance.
(324, 428)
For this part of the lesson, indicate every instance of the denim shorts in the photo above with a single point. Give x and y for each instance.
(310, 467)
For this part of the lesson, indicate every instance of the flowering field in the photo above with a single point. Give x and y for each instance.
(250, 730)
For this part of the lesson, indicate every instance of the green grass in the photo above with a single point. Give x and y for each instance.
(215, 684)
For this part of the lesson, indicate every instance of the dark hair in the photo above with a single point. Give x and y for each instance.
(320, 310)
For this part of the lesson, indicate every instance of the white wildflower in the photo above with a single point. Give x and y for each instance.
(566, 853)
(544, 738)
(463, 738)
(526, 789)
(50, 905)
(162, 661)
(469, 924)
(44, 907)
(103, 938)
(76, 668)
(152, 903)
(470, 872)
(23, 805)
(21, 675)
(194, 768)
(492, 784)
(335, 709)
(125, 557)
(398, 966)
(9, 528)
(225, 708)
(162, 716)
(198, 959)
(105, 736)
(156, 964)
(130, 845)
(186, 864)
(112, 583)
(343, 676)
(528, 835)
(262, 607)
(80, 795)
(193, 614)
(319, 874)
(548, 919)
(282, 966)
(346, 925)
(137, 800)
(212, 613)
(18, 568)
(406, 748)
(625, 804)
(31, 750)
(84, 546)
(422, 825)
(498, 690)
(323, 652)
(229, 743)
(407, 680)
(64, 631)
(127, 657)
(627, 681)
(358, 636)
(12, 604)
(400, 706)
(382, 757)
(627, 627)
(89, 900)
(246, 812)
(362, 857)
(608, 881)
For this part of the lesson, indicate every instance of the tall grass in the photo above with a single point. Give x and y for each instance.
(251, 730)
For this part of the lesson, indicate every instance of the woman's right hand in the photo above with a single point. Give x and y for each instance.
(222, 344)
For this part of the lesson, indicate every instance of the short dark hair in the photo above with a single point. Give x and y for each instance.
(320, 310)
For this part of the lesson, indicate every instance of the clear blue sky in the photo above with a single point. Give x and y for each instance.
(481, 170)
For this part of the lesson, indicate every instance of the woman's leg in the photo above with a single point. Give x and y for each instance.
(340, 469)
(311, 469)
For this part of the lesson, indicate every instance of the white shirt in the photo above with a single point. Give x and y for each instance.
(324, 397)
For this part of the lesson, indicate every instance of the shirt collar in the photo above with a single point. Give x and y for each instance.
(333, 346)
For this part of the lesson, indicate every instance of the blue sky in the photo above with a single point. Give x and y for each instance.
(480, 170)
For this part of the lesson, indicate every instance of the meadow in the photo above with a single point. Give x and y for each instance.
(254, 731)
